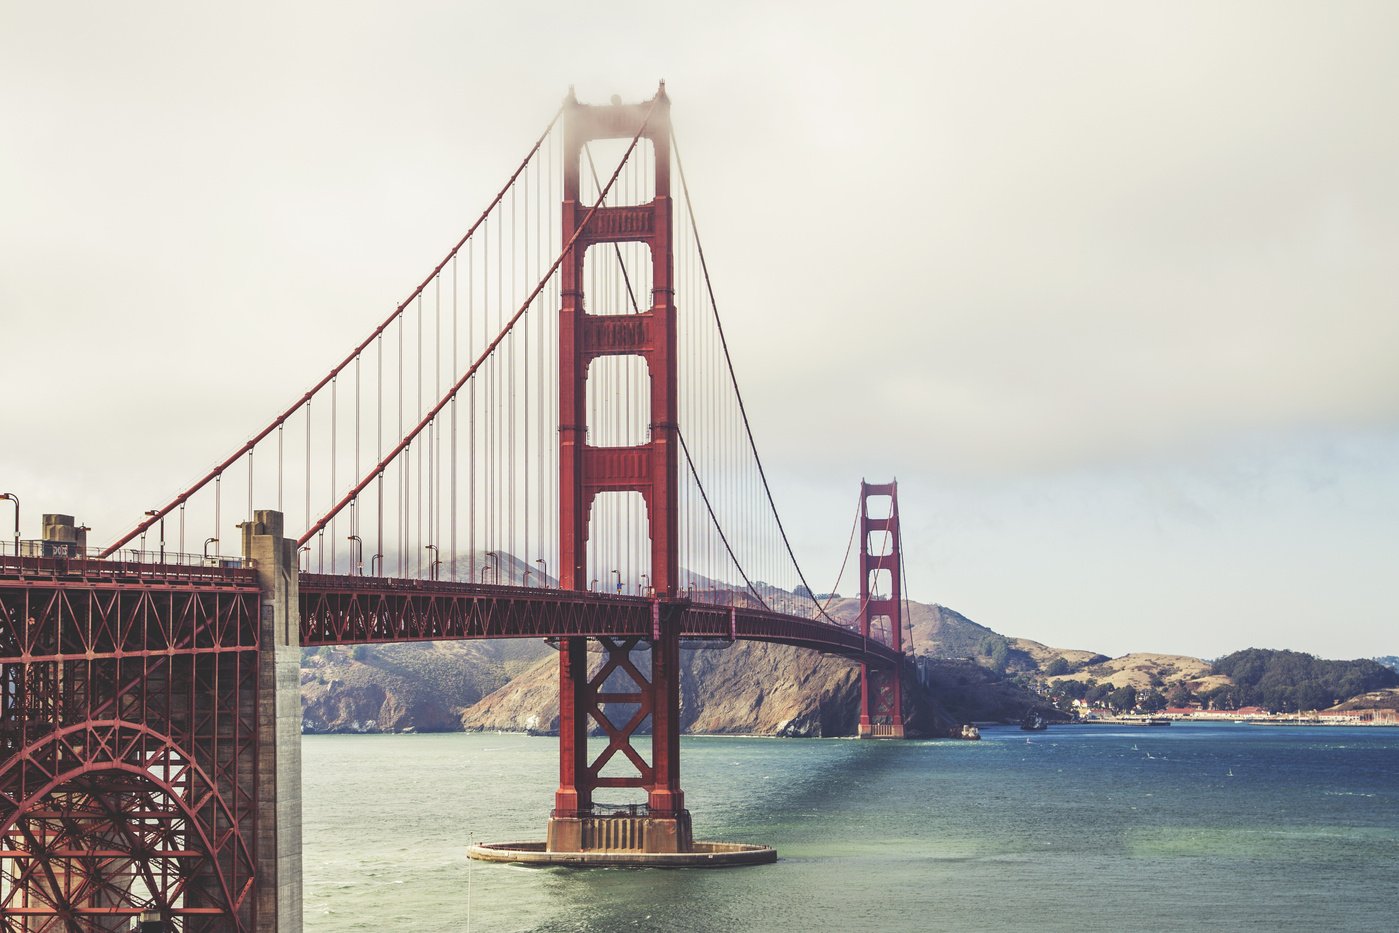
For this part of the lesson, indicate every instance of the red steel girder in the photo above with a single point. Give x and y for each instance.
(128, 750)
(344, 610)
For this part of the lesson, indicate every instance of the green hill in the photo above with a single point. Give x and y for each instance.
(1288, 681)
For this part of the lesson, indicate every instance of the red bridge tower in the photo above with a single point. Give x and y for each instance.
(650, 469)
(881, 613)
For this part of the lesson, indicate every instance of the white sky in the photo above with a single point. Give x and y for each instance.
(1110, 287)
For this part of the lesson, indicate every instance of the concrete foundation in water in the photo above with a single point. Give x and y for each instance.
(700, 855)
(624, 839)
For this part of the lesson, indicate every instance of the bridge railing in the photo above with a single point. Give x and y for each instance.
(62, 559)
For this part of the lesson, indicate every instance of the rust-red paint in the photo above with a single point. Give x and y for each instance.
(881, 691)
(651, 469)
(128, 742)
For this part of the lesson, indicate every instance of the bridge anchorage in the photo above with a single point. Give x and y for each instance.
(149, 696)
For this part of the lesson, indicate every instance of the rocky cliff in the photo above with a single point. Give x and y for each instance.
(744, 688)
(407, 687)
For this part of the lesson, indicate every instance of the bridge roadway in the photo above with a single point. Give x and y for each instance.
(337, 610)
(345, 610)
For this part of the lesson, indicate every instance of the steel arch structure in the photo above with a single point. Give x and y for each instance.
(127, 756)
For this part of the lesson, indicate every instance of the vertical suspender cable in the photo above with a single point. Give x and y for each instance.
(453, 417)
(334, 424)
(525, 407)
(418, 483)
(510, 375)
(308, 463)
(379, 441)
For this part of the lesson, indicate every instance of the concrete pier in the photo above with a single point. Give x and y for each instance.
(278, 849)
(700, 855)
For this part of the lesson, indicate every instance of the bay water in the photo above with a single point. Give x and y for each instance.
(1080, 828)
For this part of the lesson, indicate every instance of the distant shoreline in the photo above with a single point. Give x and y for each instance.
(1250, 719)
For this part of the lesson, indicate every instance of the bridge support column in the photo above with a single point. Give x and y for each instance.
(278, 780)
(881, 595)
(620, 695)
(573, 800)
(578, 823)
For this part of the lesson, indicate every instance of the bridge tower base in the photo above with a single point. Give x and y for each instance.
(277, 851)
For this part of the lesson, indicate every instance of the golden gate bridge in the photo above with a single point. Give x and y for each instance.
(545, 439)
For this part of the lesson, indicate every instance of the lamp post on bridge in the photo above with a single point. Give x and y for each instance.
(544, 571)
(357, 554)
(372, 560)
(152, 513)
(495, 577)
(619, 581)
(209, 541)
(15, 499)
(432, 567)
(646, 589)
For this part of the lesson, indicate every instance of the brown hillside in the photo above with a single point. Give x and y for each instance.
(1152, 671)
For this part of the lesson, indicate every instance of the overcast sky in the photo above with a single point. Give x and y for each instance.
(1110, 287)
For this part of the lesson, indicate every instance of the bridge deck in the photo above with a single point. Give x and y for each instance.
(342, 609)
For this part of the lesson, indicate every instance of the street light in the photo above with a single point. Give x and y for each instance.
(152, 514)
(358, 554)
(304, 549)
(15, 499)
(592, 587)
(432, 567)
(619, 581)
(645, 589)
(372, 571)
(544, 571)
(490, 555)
(207, 542)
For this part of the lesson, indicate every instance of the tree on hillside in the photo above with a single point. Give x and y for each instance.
(1179, 694)
(1151, 701)
(996, 649)
(1070, 689)
(1057, 667)
(1123, 699)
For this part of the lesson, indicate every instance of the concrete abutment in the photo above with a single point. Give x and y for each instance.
(277, 853)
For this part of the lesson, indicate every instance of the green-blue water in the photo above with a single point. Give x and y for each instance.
(1079, 829)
